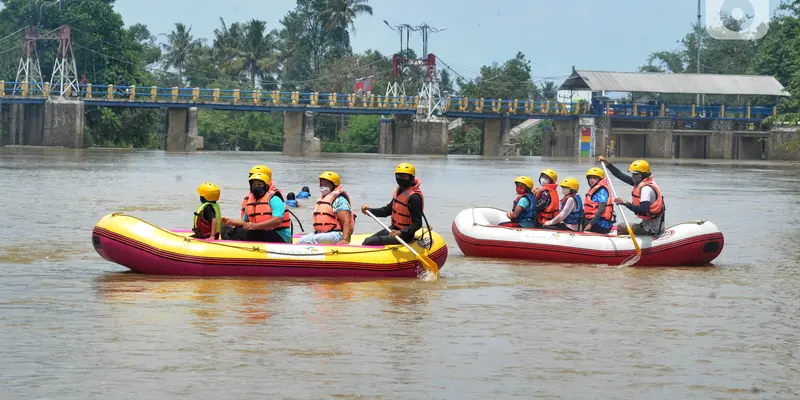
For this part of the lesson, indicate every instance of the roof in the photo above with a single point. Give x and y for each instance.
(754, 85)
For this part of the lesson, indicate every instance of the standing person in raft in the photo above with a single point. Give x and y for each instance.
(333, 216)
(522, 211)
(406, 209)
(647, 204)
(207, 218)
(598, 207)
(547, 205)
(571, 215)
(265, 217)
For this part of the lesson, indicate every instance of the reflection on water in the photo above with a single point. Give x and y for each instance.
(80, 327)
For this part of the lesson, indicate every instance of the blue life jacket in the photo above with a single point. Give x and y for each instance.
(303, 195)
(291, 203)
(529, 213)
(576, 216)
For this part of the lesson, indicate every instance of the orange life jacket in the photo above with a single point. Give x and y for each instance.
(401, 215)
(656, 207)
(259, 210)
(590, 207)
(553, 208)
(247, 198)
(324, 218)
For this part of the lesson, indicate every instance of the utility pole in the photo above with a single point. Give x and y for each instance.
(697, 39)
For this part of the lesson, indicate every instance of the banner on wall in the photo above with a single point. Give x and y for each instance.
(586, 147)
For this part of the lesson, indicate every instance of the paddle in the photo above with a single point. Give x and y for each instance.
(635, 258)
(423, 259)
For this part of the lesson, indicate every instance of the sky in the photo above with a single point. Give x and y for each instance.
(613, 35)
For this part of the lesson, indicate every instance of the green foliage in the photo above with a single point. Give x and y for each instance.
(231, 130)
(467, 138)
(360, 136)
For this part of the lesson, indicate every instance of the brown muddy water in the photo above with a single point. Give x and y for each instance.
(74, 326)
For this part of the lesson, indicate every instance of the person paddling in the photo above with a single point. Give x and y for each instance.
(406, 209)
(647, 204)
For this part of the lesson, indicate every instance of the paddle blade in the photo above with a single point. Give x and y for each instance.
(632, 260)
(430, 266)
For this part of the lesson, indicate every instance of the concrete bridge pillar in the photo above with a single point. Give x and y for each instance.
(780, 141)
(298, 134)
(496, 137)
(720, 143)
(429, 137)
(182, 130)
(63, 123)
(562, 140)
(396, 135)
(659, 142)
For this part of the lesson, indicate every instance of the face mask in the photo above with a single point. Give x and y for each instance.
(324, 190)
(566, 191)
(637, 178)
(521, 190)
(403, 182)
(203, 199)
(544, 181)
(258, 192)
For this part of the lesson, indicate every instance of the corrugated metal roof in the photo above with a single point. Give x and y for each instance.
(675, 83)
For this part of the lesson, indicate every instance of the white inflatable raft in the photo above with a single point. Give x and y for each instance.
(477, 233)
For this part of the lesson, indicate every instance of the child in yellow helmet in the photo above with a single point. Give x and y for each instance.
(207, 217)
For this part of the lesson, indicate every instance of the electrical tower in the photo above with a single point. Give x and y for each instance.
(29, 70)
(65, 72)
(396, 87)
(430, 95)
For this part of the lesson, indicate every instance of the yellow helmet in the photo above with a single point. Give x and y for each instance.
(598, 172)
(571, 183)
(209, 191)
(331, 176)
(525, 180)
(406, 168)
(551, 174)
(259, 176)
(640, 166)
(261, 168)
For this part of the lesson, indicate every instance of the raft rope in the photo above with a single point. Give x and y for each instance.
(693, 222)
(257, 248)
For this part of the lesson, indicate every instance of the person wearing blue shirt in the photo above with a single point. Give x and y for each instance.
(598, 208)
(265, 217)
(291, 200)
(523, 211)
(333, 215)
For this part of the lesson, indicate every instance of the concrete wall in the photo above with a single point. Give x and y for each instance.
(720, 143)
(21, 124)
(298, 134)
(602, 135)
(749, 148)
(429, 137)
(182, 130)
(64, 123)
(385, 135)
(563, 139)
(780, 137)
(659, 142)
(631, 145)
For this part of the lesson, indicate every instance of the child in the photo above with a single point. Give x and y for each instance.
(291, 201)
(207, 220)
(523, 210)
(304, 193)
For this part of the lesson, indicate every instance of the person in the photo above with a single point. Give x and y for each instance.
(406, 209)
(333, 216)
(207, 218)
(547, 205)
(598, 206)
(262, 169)
(291, 201)
(522, 212)
(265, 217)
(648, 202)
(571, 215)
(304, 193)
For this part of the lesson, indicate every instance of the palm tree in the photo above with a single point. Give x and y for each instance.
(249, 50)
(549, 90)
(341, 14)
(180, 44)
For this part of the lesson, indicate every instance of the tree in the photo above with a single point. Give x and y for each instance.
(180, 44)
(446, 83)
(512, 80)
(250, 50)
(341, 15)
(548, 90)
(149, 50)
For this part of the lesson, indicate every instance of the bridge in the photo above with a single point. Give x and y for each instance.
(39, 105)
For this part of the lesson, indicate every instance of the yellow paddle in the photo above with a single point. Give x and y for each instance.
(426, 262)
(635, 258)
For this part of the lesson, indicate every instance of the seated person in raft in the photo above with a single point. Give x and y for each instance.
(304, 193)
(406, 209)
(333, 216)
(571, 215)
(291, 201)
(207, 217)
(265, 217)
(522, 212)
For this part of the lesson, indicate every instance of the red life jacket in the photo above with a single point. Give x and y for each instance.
(590, 207)
(553, 208)
(259, 210)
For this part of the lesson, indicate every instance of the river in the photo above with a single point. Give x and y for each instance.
(74, 326)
